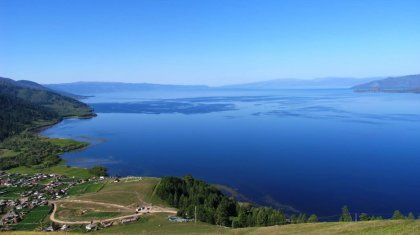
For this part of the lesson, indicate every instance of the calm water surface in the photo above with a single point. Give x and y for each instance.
(313, 150)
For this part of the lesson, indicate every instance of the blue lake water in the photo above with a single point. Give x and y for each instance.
(312, 150)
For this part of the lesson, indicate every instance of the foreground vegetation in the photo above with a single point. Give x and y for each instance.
(158, 224)
(197, 199)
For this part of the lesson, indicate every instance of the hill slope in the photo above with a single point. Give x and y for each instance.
(156, 224)
(38, 95)
(26, 104)
(410, 83)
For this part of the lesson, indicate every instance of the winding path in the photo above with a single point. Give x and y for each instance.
(154, 209)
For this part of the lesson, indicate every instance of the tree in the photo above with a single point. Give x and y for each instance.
(345, 215)
(411, 216)
(397, 215)
(98, 171)
(222, 216)
(364, 217)
(293, 219)
(313, 219)
(301, 219)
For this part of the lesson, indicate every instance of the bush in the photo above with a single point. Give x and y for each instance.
(98, 171)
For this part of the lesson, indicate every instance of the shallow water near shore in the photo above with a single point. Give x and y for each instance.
(314, 150)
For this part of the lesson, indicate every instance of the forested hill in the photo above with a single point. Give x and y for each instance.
(25, 104)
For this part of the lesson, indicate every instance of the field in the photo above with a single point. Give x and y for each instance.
(60, 169)
(33, 219)
(85, 188)
(107, 200)
(77, 211)
(126, 193)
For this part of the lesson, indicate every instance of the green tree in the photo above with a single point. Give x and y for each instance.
(364, 217)
(98, 171)
(397, 215)
(293, 219)
(411, 216)
(222, 216)
(345, 215)
(301, 219)
(313, 219)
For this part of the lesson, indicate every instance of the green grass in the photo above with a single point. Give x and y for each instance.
(33, 219)
(65, 142)
(100, 215)
(159, 224)
(60, 169)
(130, 193)
(75, 211)
(85, 188)
(8, 153)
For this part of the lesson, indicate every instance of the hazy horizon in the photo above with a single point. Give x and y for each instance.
(206, 42)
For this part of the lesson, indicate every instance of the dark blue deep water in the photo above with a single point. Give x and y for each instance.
(312, 150)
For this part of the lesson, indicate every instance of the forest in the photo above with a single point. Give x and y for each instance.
(27, 105)
(197, 199)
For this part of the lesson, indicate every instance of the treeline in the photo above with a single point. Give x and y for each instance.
(197, 199)
(34, 151)
(397, 215)
(17, 115)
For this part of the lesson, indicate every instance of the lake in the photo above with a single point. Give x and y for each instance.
(303, 150)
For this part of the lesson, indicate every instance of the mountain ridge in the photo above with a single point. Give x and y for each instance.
(408, 83)
(27, 105)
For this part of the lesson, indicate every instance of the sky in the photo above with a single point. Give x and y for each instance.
(212, 42)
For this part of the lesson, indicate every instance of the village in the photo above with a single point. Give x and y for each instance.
(29, 202)
(21, 193)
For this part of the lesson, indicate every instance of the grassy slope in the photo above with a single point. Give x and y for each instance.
(59, 169)
(128, 193)
(158, 224)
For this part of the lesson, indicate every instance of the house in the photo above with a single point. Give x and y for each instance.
(107, 224)
(129, 220)
(49, 229)
(91, 227)
(64, 227)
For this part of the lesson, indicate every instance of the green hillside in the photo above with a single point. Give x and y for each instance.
(27, 105)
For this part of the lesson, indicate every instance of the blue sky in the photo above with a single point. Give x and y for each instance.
(207, 42)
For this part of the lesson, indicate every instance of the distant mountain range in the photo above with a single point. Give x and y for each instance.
(392, 84)
(410, 83)
(330, 82)
(88, 88)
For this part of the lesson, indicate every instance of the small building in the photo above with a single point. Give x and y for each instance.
(107, 224)
(49, 229)
(129, 220)
(90, 227)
